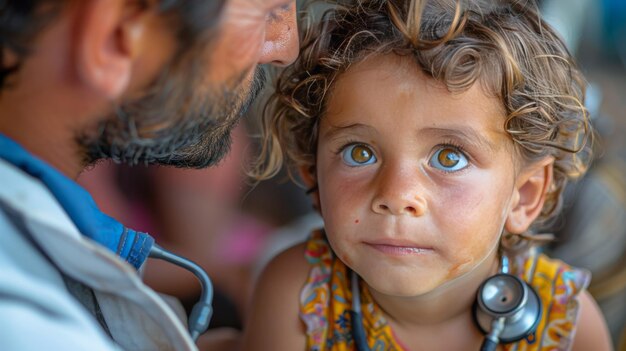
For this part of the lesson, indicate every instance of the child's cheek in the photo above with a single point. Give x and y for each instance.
(345, 259)
(469, 217)
(457, 206)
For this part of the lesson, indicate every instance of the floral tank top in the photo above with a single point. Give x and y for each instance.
(326, 302)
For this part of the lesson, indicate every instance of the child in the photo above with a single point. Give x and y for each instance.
(435, 138)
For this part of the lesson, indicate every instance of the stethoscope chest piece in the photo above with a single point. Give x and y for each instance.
(505, 296)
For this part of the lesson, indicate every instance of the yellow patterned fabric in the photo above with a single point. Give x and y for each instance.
(326, 302)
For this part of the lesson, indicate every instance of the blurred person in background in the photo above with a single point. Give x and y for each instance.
(140, 82)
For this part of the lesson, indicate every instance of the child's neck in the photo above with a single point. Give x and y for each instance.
(444, 310)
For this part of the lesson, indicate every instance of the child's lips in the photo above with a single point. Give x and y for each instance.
(399, 247)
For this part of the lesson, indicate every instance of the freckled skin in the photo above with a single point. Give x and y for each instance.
(458, 216)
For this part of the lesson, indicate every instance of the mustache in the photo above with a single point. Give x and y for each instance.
(259, 80)
(216, 142)
(178, 127)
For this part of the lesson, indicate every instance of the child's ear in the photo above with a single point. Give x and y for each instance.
(529, 195)
(307, 173)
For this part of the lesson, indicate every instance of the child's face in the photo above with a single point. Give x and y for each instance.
(415, 183)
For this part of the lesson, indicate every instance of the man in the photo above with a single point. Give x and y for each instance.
(138, 81)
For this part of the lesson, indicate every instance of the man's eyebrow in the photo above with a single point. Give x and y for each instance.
(467, 134)
(335, 131)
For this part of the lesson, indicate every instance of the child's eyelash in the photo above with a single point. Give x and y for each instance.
(455, 145)
(345, 144)
(447, 143)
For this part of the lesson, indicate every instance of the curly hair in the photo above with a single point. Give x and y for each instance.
(503, 45)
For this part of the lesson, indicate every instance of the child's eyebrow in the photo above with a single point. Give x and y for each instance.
(334, 131)
(466, 134)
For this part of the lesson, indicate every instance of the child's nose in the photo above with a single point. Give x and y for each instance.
(416, 208)
(399, 194)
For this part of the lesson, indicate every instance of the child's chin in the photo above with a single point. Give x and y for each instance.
(403, 288)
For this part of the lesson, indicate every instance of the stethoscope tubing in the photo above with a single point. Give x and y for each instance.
(202, 311)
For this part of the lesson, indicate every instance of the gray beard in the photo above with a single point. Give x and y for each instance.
(174, 125)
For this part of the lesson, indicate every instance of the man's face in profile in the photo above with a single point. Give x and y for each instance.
(186, 116)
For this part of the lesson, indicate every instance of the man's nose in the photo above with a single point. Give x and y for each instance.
(399, 194)
(281, 38)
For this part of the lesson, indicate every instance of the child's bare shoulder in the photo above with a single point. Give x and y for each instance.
(288, 269)
(591, 330)
(274, 322)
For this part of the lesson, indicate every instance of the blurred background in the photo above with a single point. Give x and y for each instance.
(591, 233)
(232, 229)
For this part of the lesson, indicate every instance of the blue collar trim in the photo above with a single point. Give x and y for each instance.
(130, 245)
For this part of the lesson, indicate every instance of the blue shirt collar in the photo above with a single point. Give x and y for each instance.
(130, 245)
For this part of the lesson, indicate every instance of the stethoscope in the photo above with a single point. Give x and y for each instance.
(506, 310)
(202, 311)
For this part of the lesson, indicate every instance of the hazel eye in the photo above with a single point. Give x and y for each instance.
(449, 159)
(358, 155)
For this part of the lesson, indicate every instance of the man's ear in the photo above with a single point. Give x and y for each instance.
(107, 33)
(529, 195)
(308, 176)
